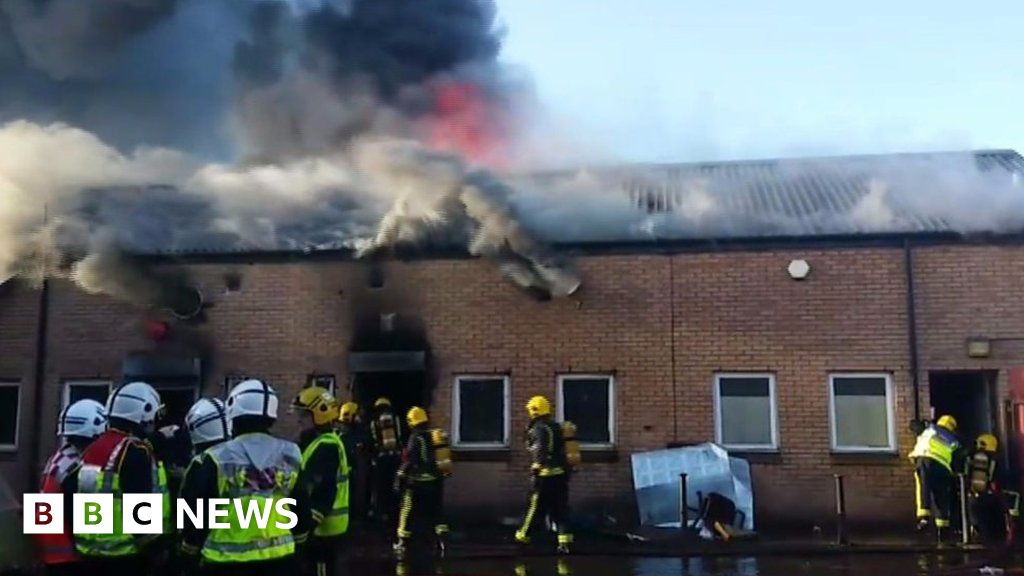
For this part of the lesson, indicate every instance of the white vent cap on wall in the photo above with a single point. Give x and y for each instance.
(799, 269)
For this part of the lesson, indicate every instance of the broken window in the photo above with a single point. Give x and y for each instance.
(10, 404)
(862, 413)
(75, 390)
(745, 416)
(588, 402)
(480, 411)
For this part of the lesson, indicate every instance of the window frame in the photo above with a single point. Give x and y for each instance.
(457, 442)
(773, 405)
(316, 379)
(69, 382)
(13, 447)
(890, 407)
(560, 407)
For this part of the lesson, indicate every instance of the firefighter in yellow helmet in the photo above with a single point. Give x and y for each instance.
(386, 434)
(987, 503)
(936, 455)
(549, 471)
(357, 449)
(426, 462)
(323, 480)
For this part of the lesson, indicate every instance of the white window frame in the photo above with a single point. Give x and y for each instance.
(773, 446)
(506, 416)
(890, 405)
(611, 406)
(66, 393)
(17, 416)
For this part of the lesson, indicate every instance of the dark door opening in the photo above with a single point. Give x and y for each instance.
(967, 396)
(403, 389)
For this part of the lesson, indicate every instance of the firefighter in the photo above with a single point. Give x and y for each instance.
(549, 472)
(354, 437)
(420, 481)
(323, 479)
(253, 466)
(119, 462)
(386, 433)
(77, 426)
(988, 511)
(936, 454)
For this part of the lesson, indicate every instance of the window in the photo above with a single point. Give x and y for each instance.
(322, 380)
(75, 390)
(861, 407)
(10, 410)
(745, 414)
(589, 403)
(480, 413)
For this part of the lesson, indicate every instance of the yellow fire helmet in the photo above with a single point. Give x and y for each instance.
(948, 422)
(987, 442)
(381, 402)
(416, 416)
(348, 412)
(538, 406)
(320, 403)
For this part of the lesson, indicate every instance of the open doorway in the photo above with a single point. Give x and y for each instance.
(968, 396)
(404, 389)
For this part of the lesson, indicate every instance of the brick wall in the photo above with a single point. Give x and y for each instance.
(722, 311)
(19, 311)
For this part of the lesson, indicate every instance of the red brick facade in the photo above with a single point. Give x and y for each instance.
(649, 319)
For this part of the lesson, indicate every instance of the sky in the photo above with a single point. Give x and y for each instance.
(692, 80)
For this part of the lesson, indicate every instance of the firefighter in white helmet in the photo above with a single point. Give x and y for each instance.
(119, 462)
(78, 425)
(252, 466)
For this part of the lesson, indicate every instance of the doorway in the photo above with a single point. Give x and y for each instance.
(968, 396)
(404, 389)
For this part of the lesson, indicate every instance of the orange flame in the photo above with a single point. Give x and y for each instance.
(466, 123)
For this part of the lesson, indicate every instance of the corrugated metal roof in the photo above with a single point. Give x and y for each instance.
(799, 197)
(815, 196)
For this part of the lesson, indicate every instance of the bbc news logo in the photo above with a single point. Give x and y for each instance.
(143, 513)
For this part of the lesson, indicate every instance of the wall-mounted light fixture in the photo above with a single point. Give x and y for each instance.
(979, 347)
(799, 269)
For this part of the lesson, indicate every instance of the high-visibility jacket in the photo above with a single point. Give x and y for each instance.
(546, 444)
(937, 444)
(100, 473)
(256, 468)
(981, 471)
(58, 548)
(335, 523)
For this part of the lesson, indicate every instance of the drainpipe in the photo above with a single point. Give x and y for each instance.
(39, 382)
(908, 264)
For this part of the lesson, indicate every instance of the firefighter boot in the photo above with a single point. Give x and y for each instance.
(564, 540)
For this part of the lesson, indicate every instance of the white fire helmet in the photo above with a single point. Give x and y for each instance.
(136, 402)
(207, 421)
(252, 398)
(85, 418)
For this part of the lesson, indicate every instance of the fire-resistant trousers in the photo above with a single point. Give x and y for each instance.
(934, 484)
(384, 498)
(326, 556)
(422, 508)
(549, 499)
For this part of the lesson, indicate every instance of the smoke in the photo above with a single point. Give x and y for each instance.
(177, 125)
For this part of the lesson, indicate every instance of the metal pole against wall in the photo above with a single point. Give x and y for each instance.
(841, 535)
(965, 527)
(684, 512)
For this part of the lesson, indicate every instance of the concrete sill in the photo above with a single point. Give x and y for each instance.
(482, 455)
(600, 455)
(865, 458)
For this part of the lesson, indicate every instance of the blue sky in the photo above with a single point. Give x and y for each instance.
(683, 80)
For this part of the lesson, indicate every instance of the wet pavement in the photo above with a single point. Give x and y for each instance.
(954, 563)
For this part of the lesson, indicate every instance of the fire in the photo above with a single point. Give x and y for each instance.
(465, 122)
